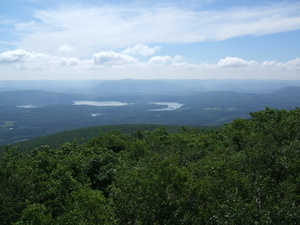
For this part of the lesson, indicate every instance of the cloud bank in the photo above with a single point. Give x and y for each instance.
(117, 65)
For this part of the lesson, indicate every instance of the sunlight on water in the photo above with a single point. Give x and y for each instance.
(100, 103)
(27, 106)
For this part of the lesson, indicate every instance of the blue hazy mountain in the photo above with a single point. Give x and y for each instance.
(130, 86)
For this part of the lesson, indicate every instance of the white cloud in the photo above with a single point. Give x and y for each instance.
(293, 64)
(24, 59)
(12, 56)
(160, 59)
(141, 49)
(113, 27)
(165, 59)
(269, 63)
(112, 58)
(22, 56)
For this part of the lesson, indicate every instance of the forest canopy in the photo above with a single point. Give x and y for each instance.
(246, 172)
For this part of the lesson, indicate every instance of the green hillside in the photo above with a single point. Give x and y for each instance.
(246, 172)
(85, 134)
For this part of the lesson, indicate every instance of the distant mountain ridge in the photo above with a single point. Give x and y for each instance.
(137, 87)
(143, 86)
(288, 90)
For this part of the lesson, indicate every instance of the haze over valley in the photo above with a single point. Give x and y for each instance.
(33, 112)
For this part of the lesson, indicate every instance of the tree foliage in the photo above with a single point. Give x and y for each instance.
(246, 172)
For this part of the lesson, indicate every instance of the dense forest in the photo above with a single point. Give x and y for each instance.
(246, 172)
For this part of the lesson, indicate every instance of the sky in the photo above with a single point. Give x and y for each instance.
(171, 39)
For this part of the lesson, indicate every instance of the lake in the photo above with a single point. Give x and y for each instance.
(96, 114)
(100, 103)
(169, 105)
(27, 106)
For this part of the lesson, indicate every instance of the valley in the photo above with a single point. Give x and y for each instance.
(26, 114)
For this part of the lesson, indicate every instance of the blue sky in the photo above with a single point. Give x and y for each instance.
(178, 39)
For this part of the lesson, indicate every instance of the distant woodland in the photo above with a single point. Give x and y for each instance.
(245, 172)
(30, 109)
